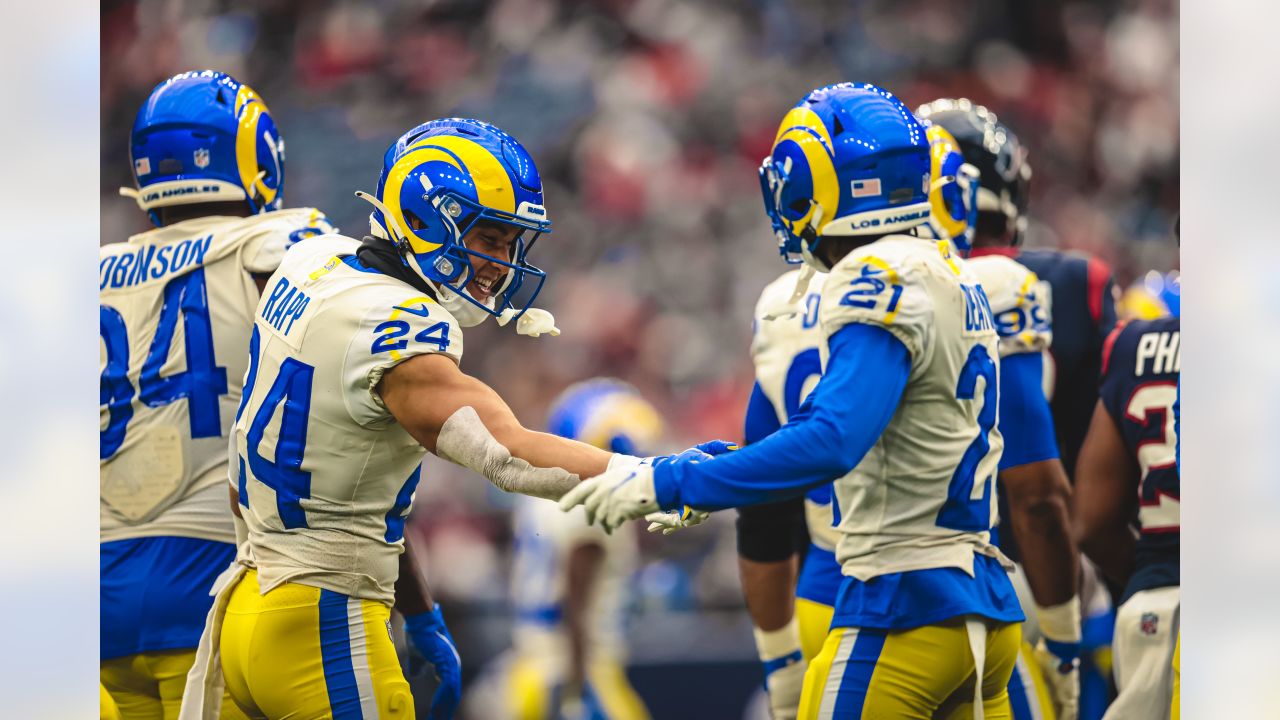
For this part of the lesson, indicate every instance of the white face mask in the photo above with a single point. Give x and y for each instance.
(463, 310)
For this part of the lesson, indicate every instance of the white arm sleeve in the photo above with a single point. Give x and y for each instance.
(464, 440)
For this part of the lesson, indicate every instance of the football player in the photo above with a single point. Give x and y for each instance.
(569, 579)
(1154, 296)
(1128, 474)
(1077, 290)
(786, 550)
(353, 376)
(176, 309)
(791, 602)
(926, 621)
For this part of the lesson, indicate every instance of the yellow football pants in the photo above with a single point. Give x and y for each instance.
(149, 686)
(1175, 708)
(815, 621)
(529, 689)
(920, 674)
(1028, 693)
(302, 653)
(107, 709)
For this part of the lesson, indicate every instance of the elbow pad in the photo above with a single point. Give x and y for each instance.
(464, 440)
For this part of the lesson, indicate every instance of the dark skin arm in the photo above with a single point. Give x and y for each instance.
(260, 280)
(585, 560)
(413, 595)
(1106, 498)
(424, 391)
(769, 589)
(1039, 508)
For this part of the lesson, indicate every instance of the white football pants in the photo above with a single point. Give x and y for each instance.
(1146, 629)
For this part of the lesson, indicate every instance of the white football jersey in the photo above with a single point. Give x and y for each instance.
(544, 537)
(176, 310)
(325, 473)
(1019, 302)
(924, 495)
(785, 351)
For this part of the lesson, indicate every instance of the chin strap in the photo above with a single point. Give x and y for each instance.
(802, 284)
(392, 231)
(809, 237)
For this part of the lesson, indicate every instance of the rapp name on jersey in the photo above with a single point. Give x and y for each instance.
(284, 305)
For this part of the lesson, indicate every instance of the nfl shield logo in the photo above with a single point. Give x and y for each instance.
(1150, 624)
(202, 157)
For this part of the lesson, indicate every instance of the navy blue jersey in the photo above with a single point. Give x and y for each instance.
(1082, 305)
(1142, 364)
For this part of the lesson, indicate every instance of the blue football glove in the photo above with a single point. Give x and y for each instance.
(713, 447)
(429, 636)
(669, 522)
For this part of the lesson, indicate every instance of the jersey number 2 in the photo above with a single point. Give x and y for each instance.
(201, 384)
(962, 511)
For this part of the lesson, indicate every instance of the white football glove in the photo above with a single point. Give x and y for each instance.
(534, 322)
(669, 522)
(621, 493)
(1058, 655)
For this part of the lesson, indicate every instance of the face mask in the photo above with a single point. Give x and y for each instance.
(466, 312)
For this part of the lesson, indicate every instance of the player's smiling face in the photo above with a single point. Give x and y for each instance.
(495, 240)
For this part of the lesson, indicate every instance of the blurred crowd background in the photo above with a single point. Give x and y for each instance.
(647, 119)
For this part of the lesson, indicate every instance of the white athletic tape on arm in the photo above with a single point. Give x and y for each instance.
(464, 440)
(1061, 623)
(773, 644)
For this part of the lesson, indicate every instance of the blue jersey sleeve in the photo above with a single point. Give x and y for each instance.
(761, 420)
(1177, 426)
(844, 416)
(1026, 422)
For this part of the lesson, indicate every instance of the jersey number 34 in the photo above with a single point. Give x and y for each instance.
(201, 384)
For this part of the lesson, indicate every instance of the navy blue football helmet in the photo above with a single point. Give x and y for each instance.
(1001, 160)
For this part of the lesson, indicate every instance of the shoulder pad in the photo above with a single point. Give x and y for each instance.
(271, 234)
(883, 284)
(775, 299)
(1019, 301)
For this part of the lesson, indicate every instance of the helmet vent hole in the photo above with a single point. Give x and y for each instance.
(798, 206)
(221, 97)
(838, 126)
(415, 223)
(170, 166)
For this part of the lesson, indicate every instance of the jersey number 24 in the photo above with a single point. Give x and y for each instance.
(284, 474)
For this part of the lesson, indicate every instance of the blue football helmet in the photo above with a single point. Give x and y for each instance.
(953, 190)
(440, 179)
(1154, 296)
(205, 137)
(609, 414)
(848, 159)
